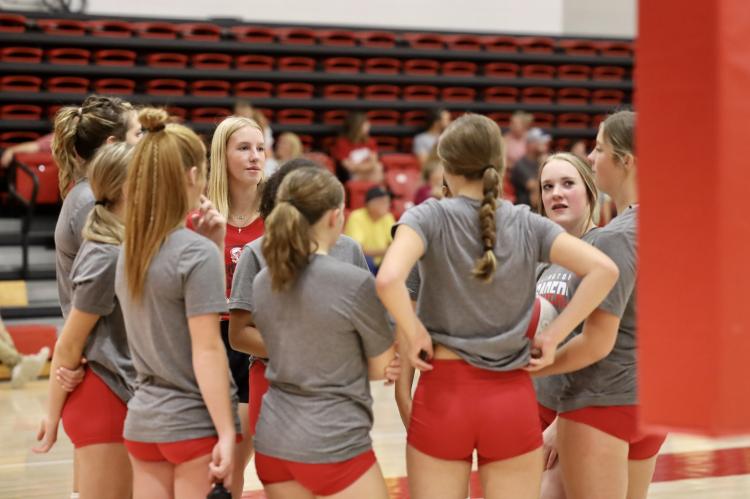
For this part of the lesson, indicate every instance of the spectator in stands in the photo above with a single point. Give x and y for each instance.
(424, 143)
(23, 368)
(579, 149)
(525, 171)
(371, 226)
(432, 175)
(245, 109)
(288, 147)
(515, 137)
(356, 152)
(42, 144)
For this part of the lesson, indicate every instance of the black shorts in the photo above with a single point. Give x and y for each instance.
(239, 364)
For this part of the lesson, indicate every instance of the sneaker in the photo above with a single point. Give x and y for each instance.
(29, 368)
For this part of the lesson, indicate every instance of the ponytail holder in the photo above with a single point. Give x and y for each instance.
(157, 128)
(487, 167)
(488, 248)
(100, 202)
(79, 113)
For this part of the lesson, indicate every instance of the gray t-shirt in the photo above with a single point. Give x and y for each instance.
(484, 323)
(68, 237)
(612, 380)
(557, 285)
(107, 351)
(319, 335)
(185, 279)
(424, 142)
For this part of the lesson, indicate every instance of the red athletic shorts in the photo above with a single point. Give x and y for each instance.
(172, 452)
(93, 414)
(458, 408)
(620, 421)
(320, 479)
(258, 387)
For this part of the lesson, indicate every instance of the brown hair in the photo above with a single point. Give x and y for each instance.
(107, 173)
(157, 190)
(79, 131)
(353, 127)
(303, 198)
(472, 147)
(618, 130)
(587, 175)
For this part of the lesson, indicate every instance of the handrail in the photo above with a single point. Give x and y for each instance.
(29, 204)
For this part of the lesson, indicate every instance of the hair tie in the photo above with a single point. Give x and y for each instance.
(100, 202)
(488, 247)
(487, 167)
(79, 113)
(157, 128)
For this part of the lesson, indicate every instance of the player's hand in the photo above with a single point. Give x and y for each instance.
(46, 436)
(221, 466)
(208, 222)
(393, 370)
(420, 348)
(543, 350)
(69, 379)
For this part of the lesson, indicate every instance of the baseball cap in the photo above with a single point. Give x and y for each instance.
(374, 193)
(537, 135)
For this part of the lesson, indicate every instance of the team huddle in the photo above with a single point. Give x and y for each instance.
(210, 315)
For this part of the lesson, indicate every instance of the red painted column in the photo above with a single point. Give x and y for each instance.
(693, 102)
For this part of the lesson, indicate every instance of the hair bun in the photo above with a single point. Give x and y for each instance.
(153, 119)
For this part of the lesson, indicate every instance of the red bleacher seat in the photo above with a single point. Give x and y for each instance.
(20, 83)
(573, 120)
(66, 27)
(607, 97)
(260, 89)
(407, 143)
(115, 86)
(166, 86)
(597, 119)
(209, 114)
(8, 139)
(378, 39)
(115, 57)
(420, 92)
(501, 70)
(69, 56)
(297, 36)
(500, 94)
(382, 65)
(322, 159)
(382, 92)
(200, 31)
(464, 42)
(167, 60)
(253, 34)
(307, 141)
(578, 47)
(68, 85)
(574, 72)
(12, 23)
(254, 63)
(21, 54)
(386, 144)
(403, 183)
(356, 190)
(383, 117)
(347, 92)
(111, 28)
(421, 66)
(537, 95)
(342, 65)
(339, 38)
(414, 118)
(294, 91)
(52, 111)
(20, 112)
(612, 73)
(537, 45)
(156, 30)
(429, 41)
(296, 64)
(538, 71)
(573, 96)
(501, 118)
(500, 44)
(178, 112)
(399, 206)
(615, 49)
(544, 120)
(458, 94)
(335, 117)
(295, 116)
(210, 88)
(400, 161)
(30, 338)
(459, 68)
(45, 169)
(562, 145)
(211, 61)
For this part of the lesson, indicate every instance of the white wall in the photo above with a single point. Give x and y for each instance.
(597, 17)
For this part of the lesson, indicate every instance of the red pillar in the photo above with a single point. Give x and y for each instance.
(693, 102)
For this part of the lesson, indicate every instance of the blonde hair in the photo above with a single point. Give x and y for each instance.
(587, 175)
(218, 180)
(107, 173)
(303, 198)
(79, 131)
(295, 141)
(618, 130)
(472, 147)
(157, 190)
